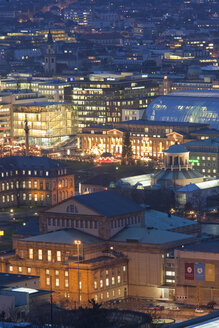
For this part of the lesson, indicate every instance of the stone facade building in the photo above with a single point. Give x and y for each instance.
(30, 180)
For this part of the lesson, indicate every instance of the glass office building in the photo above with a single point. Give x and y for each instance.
(194, 106)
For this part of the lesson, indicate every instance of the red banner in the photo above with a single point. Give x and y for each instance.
(189, 271)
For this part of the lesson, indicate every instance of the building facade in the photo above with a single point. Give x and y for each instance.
(90, 249)
(197, 279)
(49, 122)
(149, 139)
(101, 99)
(33, 180)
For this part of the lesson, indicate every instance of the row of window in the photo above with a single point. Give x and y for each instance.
(69, 223)
(40, 255)
(24, 172)
(29, 197)
(34, 184)
(107, 282)
(109, 294)
(126, 221)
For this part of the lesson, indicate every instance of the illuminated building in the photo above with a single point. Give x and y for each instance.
(80, 16)
(148, 138)
(116, 250)
(34, 181)
(177, 170)
(47, 87)
(204, 155)
(7, 100)
(197, 273)
(49, 122)
(101, 99)
(194, 106)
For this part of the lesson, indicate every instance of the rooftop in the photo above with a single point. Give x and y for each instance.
(66, 236)
(161, 220)
(149, 236)
(9, 278)
(108, 203)
(208, 246)
(29, 163)
(199, 186)
(176, 149)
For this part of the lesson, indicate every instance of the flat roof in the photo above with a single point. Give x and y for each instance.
(149, 235)
(10, 278)
(161, 220)
(66, 236)
(208, 246)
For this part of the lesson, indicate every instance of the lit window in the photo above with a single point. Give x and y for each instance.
(58, 256)
(3, 199)
(118, 279)
(171, 281)
(170, 273)
(66, 273)
(35, 184)
(203, 157)
(57, 272)
(40, 254)
(11, 268)
(57, 282)
(35, 197)
(3, 186)
(95, 297)
(49, 255)
(95, 285)
(19, 269)
(101, 283)
(30, 196)
(31, 253)
(101, 296)
(23, 172)
(80, 284)
(119, 292)
(107, 282)
(47, 281)
(24, 196)
(124, 268)
(47, 173)
(29, 172)
(113, 280)
(107, 294)
(47, 271)
(29, 184)
(107, 272)
(66, 283)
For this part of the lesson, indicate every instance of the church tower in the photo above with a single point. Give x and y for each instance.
(50, 56)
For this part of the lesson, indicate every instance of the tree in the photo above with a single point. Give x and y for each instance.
(127, 150)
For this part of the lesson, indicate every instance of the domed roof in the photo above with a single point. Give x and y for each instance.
(192, 106)
(176, 149)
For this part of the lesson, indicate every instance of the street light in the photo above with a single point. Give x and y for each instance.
(78, 243)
